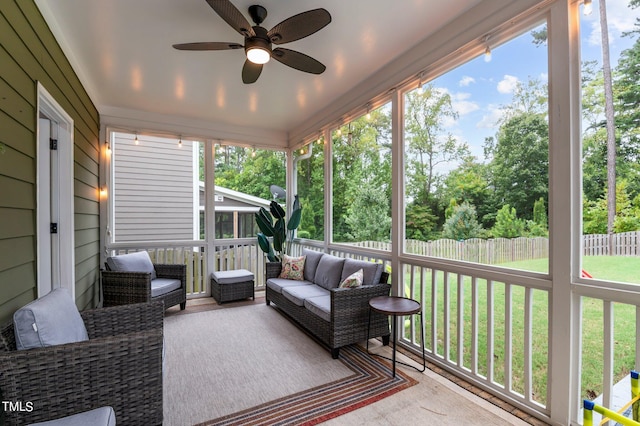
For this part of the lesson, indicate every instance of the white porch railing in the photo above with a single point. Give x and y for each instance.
(228, 254)
(490, 327)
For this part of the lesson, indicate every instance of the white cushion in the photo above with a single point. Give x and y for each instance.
(277, 284)
(132, 262)
(298, 294)
(50, 320)
(104, 416)
(231, 277)
(372, 271)
(161, 286)
(329, 271)
(320, 305)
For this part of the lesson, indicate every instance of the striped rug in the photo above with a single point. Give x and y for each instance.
(371, 381)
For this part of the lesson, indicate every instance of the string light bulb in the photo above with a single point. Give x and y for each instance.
(107, 148)
(487, 54)
(588, 7)
(368, 112)
(180, 142)
(420, 88)
(136, 141)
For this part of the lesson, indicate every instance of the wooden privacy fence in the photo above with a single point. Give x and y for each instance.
(624, 244)
(488, 252)
(500, 250)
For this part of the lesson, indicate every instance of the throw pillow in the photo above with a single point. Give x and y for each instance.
(353, 280)
(50, 320)
(293, 268)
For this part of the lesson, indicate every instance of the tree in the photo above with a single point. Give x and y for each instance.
(361, 159)
(469, 182)
(507, 223)
(520, 163)
(428, 144)
(611, 128)
(462, 224)
(368, 217)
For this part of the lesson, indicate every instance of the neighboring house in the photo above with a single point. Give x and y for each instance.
(152, 204)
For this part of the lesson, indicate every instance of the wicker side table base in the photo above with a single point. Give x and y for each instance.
(237, 285)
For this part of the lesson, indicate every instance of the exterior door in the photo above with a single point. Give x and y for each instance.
(55, 223)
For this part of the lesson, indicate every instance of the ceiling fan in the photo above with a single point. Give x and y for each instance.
(258, 41)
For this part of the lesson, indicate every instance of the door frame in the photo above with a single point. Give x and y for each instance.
(48, 107)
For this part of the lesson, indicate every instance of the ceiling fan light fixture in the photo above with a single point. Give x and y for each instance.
(258, 50)
(258, 55)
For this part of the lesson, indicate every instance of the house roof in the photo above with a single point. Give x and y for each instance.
(122, 51)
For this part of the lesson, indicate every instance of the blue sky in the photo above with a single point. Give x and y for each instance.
(479, 88)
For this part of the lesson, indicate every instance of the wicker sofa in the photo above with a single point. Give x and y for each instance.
(119, 366)
(336, 316)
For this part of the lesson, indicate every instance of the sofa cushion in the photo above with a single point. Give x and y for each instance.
(353, 280)
(311, 264)
(132, 262)
(278, 284)
(292, 268)
(50, 320)
(161, 286)
(320, 305)
(372, 271)
(104, 416)
(298, 294)
(329, 271)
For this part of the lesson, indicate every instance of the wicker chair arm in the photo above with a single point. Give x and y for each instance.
(123, 319)
(123, 371)
(174, 271)
(135, 286)
(273, 269)
(354, 302)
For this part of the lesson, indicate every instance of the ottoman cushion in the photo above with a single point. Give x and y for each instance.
(231, 277)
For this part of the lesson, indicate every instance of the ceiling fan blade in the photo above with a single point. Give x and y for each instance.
(232, 16)
(298, 60)
(250, 72)
(299, 26)
(206, 45)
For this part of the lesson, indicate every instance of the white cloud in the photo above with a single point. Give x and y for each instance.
(466, 80)
(493, 114)
(620, 18)
(461, 103)
(508, 84)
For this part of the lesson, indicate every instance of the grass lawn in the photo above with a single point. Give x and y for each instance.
(612, 268)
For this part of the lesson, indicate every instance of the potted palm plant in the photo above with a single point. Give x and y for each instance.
(274, 227)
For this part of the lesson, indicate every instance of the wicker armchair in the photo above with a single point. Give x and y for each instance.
(121, 288)
(119, 366)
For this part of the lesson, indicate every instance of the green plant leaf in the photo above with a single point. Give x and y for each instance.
(263, 219)
(294, 220)
(276, 210)
(263, 242)
(279, 235)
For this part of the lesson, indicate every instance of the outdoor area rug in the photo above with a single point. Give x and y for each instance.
(370, 382)
(250, 365)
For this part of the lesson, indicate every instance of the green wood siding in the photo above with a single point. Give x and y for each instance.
(29, 53)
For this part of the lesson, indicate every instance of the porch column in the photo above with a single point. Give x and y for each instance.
(565, 184)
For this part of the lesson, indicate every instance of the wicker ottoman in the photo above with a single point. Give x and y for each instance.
(232, 285)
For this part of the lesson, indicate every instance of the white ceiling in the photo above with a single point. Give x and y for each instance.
(121, 50)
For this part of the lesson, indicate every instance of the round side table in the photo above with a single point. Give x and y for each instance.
(396, 306)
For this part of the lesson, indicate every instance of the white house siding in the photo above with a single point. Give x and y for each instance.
(153, 191)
